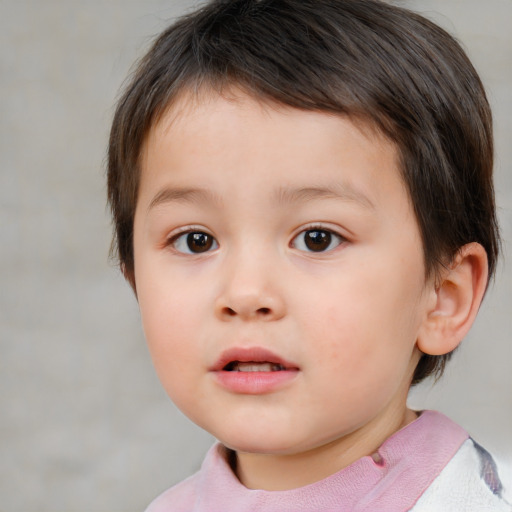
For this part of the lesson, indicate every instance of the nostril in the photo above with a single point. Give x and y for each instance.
(246, 312)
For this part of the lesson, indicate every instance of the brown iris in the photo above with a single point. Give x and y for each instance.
(317, 240)
(199, 242)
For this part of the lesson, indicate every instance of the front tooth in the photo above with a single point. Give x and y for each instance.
(255, 367)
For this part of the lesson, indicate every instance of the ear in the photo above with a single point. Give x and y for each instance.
(455, 301)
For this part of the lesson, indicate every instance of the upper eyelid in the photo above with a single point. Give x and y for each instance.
(305, 227)
(319, 227)
(188, 229)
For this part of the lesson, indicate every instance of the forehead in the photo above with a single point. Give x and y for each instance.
(207, 122)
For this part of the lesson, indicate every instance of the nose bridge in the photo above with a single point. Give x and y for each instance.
(248, 289)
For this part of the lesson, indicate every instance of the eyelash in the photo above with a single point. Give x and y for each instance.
(182, 237)
(208, 243)
(332, 237)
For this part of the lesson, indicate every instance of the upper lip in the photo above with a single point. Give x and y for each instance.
(251, 355)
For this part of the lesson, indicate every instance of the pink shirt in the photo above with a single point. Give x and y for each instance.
(411, 459)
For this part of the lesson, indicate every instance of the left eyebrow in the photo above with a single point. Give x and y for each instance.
(345, 192)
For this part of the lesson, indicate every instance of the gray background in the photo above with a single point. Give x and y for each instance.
(84, 424)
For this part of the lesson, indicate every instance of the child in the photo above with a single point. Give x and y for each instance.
(303, 204)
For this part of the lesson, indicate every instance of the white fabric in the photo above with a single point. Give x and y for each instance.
(461, 488)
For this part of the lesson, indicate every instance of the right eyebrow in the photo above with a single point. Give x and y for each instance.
(190, 195)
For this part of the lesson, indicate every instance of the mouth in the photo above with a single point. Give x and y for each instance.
(252, 360)
(253, 371)
(253, 366)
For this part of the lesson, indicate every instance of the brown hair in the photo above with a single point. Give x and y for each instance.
(362, 58)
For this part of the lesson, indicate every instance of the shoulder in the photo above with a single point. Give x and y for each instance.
(179, 498)
(469, 483)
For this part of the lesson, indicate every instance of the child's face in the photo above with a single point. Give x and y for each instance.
(274, 235)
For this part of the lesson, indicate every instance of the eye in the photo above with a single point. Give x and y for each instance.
(316, 240)
(194, 242)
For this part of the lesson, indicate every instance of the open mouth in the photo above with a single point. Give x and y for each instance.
(251, 360)
(253, 366)
(253, 371)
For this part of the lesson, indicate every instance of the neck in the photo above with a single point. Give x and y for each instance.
(280, 472)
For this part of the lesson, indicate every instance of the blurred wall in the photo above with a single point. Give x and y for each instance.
(84, 425)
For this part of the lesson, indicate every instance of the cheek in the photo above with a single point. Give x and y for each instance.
(368, 331)
(168, 328)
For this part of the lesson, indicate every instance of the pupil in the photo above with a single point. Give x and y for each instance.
(317, 240)
(199, 242)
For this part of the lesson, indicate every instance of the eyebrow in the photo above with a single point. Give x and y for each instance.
(190, 195)
(283, 195)
(345, 192)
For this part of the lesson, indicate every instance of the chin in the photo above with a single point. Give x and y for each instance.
(262, 444)
(258, 443)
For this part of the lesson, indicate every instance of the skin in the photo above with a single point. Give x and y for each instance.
(348, 317)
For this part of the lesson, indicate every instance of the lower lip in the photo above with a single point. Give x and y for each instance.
(255, 383)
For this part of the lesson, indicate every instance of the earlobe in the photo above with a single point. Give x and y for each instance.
(455, 301)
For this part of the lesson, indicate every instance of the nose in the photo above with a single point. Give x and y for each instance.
(250, 292)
